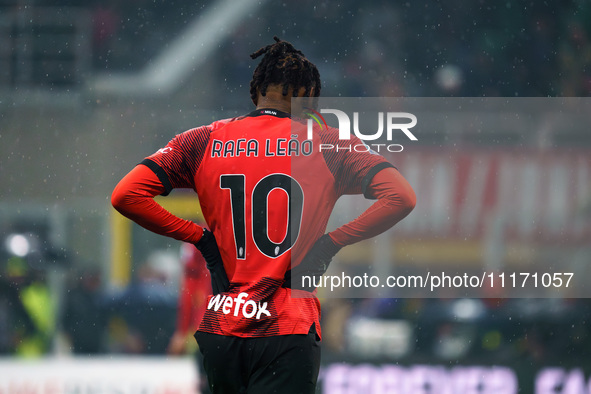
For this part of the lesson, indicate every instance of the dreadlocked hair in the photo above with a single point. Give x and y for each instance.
(286, 66)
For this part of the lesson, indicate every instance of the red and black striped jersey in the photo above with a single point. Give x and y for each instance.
(266, 192)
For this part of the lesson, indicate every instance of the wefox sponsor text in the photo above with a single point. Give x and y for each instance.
(239, 304)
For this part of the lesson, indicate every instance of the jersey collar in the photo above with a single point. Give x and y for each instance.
(269, 111)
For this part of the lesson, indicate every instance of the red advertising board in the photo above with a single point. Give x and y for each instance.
(526, 195)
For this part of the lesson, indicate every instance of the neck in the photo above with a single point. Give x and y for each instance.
(275, 100)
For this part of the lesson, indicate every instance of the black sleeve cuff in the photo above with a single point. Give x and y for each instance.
(160, 173)
(369, 176)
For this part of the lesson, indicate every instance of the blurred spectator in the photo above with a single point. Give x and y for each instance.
(575, 60)
(84, 316)
(142, 316)
(15, 322)
(192, 301)
(195, 287)
(27, 313)
(105, 20)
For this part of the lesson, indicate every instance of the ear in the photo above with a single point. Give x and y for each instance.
(301, 92)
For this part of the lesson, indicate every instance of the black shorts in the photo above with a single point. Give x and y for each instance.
(279, 364)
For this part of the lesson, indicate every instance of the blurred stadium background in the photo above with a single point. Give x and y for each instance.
(89, 88)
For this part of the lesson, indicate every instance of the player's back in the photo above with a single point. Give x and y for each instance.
(266, 192)
(260, 212)
(259, 185)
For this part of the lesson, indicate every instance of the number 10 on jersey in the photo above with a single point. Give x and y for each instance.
(259, 212)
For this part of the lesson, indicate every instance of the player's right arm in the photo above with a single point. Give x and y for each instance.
(395, 200)
(133, 197)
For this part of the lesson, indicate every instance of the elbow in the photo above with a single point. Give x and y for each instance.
(118, 199)
(410, 200)
(400, 194)
(407, 201)
(401, 204)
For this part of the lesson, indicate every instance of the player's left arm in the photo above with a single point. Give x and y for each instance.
(395, 200)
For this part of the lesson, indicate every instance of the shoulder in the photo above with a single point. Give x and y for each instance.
(218, 124)
(329, 134)
(207, 129)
